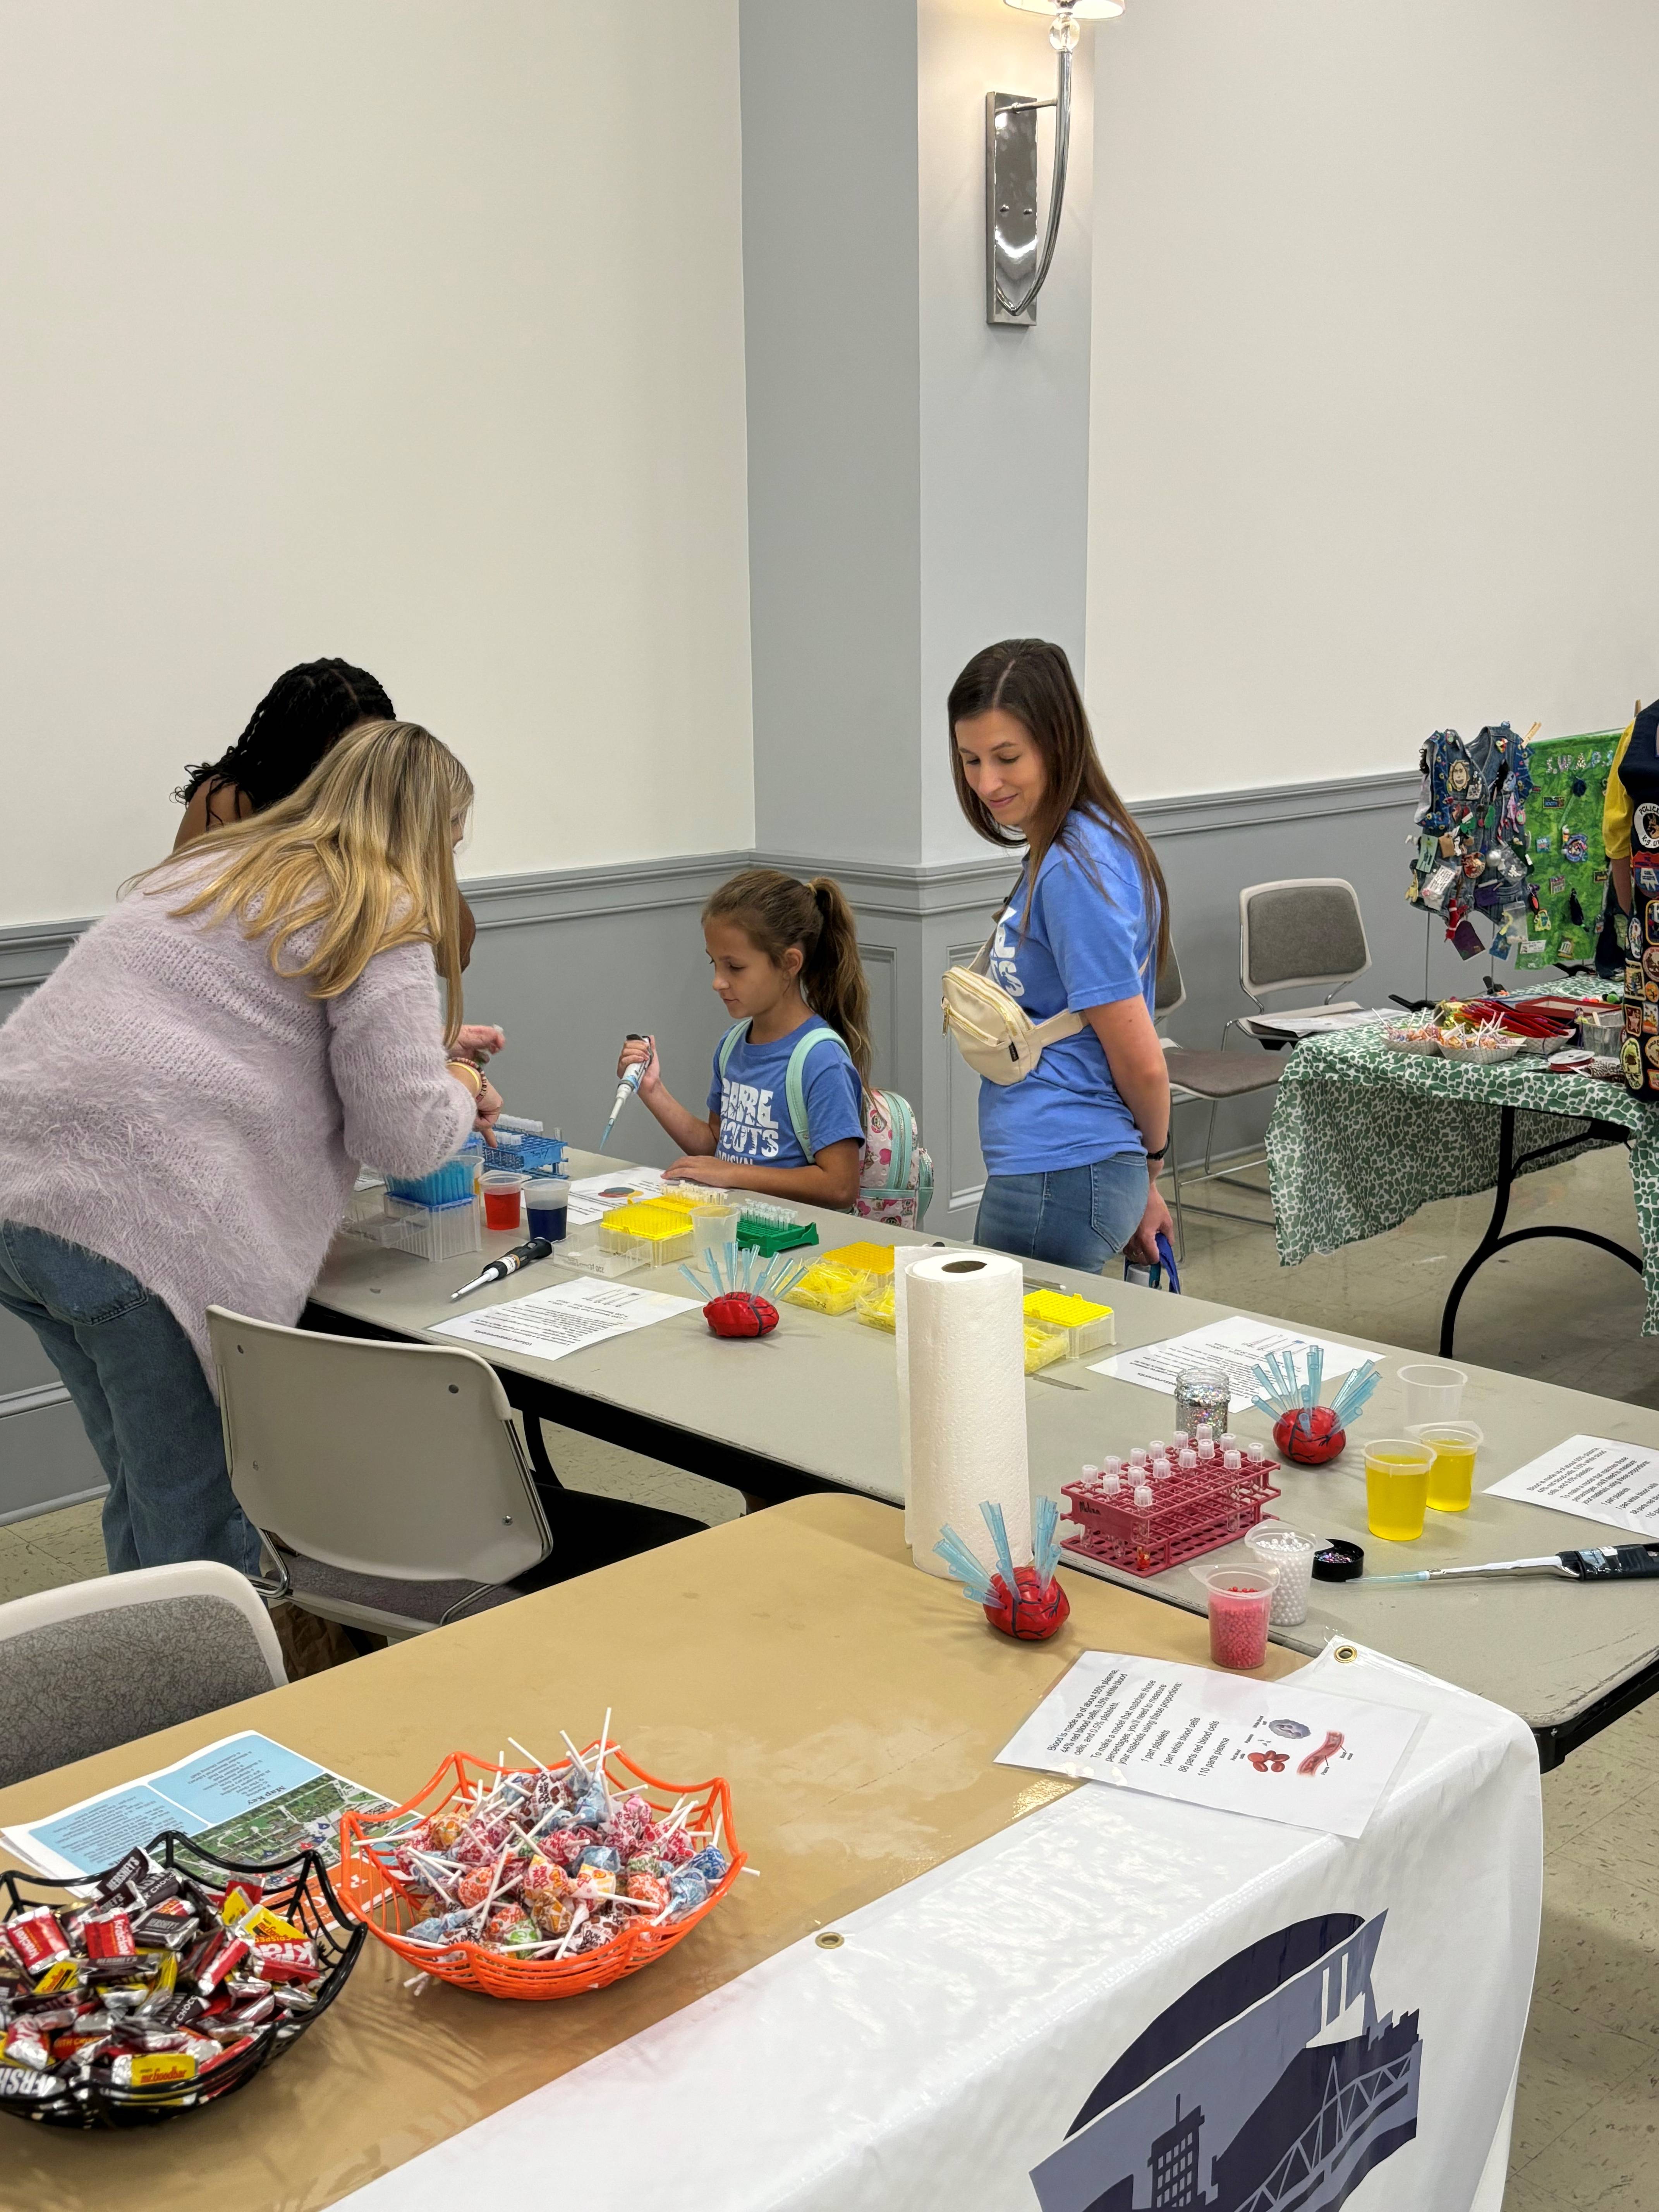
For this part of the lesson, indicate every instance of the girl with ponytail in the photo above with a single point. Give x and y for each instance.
(786, 960)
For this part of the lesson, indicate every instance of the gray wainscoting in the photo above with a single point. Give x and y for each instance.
(568, 960)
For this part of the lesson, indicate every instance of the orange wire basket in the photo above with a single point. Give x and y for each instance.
(370, 1893)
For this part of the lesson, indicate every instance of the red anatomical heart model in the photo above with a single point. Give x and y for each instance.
(1309, 1439)
(1034, 1614)
(740, 1313)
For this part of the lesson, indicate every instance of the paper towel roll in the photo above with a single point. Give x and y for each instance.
(963, 1393)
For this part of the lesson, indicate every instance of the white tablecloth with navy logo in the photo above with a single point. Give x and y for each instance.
(1118, 2003)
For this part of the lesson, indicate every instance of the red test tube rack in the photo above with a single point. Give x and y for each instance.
(1194, 1511)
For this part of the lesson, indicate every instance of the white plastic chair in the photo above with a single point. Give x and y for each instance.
(389, 1481)
(97, 1663)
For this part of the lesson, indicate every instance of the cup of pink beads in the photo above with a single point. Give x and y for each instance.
(1240, 1599)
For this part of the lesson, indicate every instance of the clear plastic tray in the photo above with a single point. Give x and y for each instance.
(582, 1251)
(428, 1232)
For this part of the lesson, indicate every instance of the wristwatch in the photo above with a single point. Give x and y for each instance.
(1159, 1153)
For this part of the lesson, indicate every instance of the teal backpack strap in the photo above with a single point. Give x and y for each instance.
(729, 1044)
(795, 1087)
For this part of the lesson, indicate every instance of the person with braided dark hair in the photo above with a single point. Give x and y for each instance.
(305, 713)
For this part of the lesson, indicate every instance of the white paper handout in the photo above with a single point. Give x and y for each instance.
(1305, 1757)
(593, 1195)
(1237, 1344)
(1599, 1481)
(564, 1318)
(243, 1797)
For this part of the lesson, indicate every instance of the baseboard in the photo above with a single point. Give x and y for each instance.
(52, 1505)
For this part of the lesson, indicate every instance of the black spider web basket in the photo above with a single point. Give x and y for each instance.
(297, 1889)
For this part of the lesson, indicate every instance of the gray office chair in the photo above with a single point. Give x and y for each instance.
(1209, 1077)
(391, 1482)
(1297, 936)
(96, 1663)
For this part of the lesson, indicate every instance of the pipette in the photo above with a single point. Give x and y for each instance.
(1619, 1561)
(625, 1090)
(498, 1270)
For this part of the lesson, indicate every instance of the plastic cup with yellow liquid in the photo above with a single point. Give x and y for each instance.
(1397, 1487)
(1451, 1478)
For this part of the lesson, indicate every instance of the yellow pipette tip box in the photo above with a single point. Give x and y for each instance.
(828, 1288)
(1089, 1326)
(666, 1228)
(868, 1259)
(1043, 1346)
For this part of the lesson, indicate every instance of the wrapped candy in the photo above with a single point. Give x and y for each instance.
(551, 1864)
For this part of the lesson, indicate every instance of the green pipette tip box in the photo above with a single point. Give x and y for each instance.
(774, 1237)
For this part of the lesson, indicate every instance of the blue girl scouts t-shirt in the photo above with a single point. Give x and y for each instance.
(1088, 943)
(754, 1108)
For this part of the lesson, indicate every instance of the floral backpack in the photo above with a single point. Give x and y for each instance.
(896, 1173)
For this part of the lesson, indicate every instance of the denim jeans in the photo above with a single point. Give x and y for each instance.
(1072, 1217)
(144, 1400)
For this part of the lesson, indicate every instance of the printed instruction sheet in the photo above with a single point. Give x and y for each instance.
(594, 1195)
(243, 1797)
(1594, 1478)
(1274, 1750)
(1237, 1345)
(552, 1322)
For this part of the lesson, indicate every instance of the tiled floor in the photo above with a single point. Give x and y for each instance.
(1587, 2125)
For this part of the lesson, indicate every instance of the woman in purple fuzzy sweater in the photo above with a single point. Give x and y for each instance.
(185, 1101)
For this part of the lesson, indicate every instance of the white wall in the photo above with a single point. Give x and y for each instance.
(1004, 412)
(1374, 444)
(407, 330)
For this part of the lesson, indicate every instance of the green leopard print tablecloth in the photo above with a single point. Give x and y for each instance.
(1361, 1137)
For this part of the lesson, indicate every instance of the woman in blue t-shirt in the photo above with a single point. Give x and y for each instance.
(785, 961)
(1071, 1152)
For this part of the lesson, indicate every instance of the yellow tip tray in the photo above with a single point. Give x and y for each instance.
(666, 1228)
(828, 1288)
(1089, 1328)
(867, 1259)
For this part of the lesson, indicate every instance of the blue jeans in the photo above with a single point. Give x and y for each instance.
(1072, 1217)
(144, 1400)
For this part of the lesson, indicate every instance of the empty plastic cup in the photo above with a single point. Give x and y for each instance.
(1275, 1544)
(1396, 1487)
(503, 1199)
(714, 1229)
(547, 1207)
(1451, 1478)
(1432, 1394)
(1240, 1603)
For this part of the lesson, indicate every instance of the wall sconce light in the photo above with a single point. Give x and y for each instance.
(1015, 269)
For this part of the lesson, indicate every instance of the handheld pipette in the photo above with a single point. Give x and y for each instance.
(1592, 1566)
(509, 1263)
(625, 1090)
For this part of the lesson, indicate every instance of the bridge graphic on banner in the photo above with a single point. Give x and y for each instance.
(1273, 2086)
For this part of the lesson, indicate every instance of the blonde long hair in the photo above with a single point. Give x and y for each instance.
(362, 851)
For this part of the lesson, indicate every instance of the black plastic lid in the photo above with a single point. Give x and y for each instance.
(1339, 1562)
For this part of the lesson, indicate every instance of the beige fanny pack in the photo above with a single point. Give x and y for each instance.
(992, 1031)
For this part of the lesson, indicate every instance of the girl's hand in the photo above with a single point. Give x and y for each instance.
(1143, 1245)
(641, 1052)
(489, 1109)
(479, 1041)
(703, 1167)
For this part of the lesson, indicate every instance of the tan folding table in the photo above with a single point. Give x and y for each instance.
(815, 1407)
(854, 1704)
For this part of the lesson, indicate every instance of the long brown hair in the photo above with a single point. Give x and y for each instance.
(1032, 680)
(362, 851)
(777, 911)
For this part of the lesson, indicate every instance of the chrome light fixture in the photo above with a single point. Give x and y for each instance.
(1015, 269)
